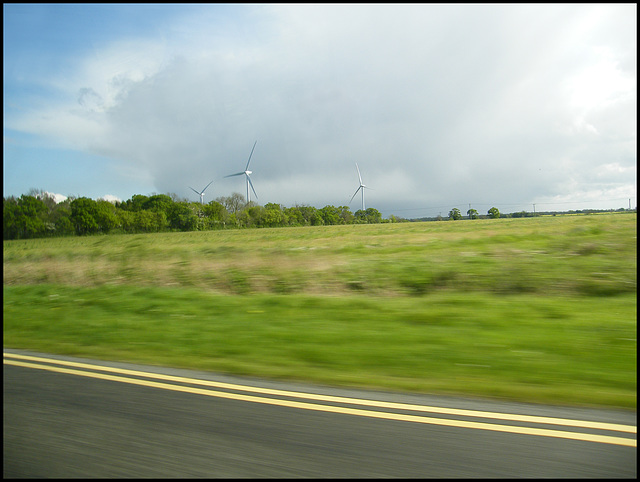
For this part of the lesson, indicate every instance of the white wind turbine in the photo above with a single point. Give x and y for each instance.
(201, 193)
(247, 174)
(361, 188)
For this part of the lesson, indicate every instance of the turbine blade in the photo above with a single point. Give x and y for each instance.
(354, 194)
(197, 192)
(236, 174)
(251, 184)
(254, 146)
(206, 187)
(359, 176)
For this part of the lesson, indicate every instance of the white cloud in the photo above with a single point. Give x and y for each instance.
(111, 198)
(58, 198)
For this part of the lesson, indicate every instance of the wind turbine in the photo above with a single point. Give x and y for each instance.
(247, 174)
(201, 193)
(361, 188)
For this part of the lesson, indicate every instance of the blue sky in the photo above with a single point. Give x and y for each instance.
(441, 106)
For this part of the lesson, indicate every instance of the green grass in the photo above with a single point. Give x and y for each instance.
(534, 309)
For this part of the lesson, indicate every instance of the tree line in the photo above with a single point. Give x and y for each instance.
(37, 215)
(455, 214)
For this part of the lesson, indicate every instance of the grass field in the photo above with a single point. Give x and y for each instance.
(538, 309)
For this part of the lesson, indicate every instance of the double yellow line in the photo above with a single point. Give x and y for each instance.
(191, 385)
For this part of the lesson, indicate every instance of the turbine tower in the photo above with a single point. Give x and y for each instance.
(201, 193)
(361, 188)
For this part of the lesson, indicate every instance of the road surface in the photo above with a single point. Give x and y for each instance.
(70, 417)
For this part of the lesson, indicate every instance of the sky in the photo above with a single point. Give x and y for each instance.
(516, 106)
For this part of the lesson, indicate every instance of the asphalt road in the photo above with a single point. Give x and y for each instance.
(68, 417)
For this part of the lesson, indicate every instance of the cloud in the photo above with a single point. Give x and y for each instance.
(111, 198)
(58, 198)
(436, 103)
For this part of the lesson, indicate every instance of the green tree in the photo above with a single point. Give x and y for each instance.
(368, 216)
(60, 217)
(346, 215)
(150, 221)
(181, 217)
(232, 221)
(273, 215)
(311, 216)
(472, 213)
(360, 216)
(56, 217)
(10, 214)
(294, 216)
(83, 216)
(455, 214)
(50, 203)
(251, 216)
(493, 213)
(33, 213)
(331, 215)
(136, 203)
(373, 216)
(159, 202)
(215, 215)
(395, 219)
(106, 216)
(127, 221)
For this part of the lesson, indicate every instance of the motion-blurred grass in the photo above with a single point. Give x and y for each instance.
(538, 309)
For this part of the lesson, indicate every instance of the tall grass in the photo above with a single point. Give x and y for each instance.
(563, 255)
(537, 309)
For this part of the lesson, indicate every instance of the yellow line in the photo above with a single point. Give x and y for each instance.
(341, 410)
(351, 401)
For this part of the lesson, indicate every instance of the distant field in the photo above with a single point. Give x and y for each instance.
(538, 309)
